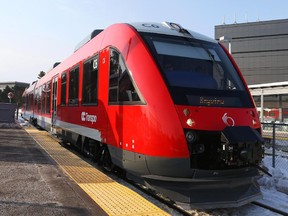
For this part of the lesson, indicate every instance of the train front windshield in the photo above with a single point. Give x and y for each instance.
(198, 72)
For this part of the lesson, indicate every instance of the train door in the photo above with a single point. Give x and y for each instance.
(123, 110)
(103, 97)
(54, 104)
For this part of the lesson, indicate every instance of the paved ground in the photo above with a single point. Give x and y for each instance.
(32, 184)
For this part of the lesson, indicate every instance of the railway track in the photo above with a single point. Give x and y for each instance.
(279, 135)
(271, 208)
(184, 212)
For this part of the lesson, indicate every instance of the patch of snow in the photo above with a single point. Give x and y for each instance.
(275, 188)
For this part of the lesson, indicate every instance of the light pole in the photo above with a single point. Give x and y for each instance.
(229, 40)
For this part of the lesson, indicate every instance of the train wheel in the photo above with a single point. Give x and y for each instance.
(98, 148)
(85, 147)
(33, 121)
(98, 153)
(90, 148)
(106, 159)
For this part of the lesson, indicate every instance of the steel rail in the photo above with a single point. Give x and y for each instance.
(271, 208)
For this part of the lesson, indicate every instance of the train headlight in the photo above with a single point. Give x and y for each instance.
(252, 113)
(186, 112)
(191, 136)
(200, 148)
(190, 122)
(254, 122)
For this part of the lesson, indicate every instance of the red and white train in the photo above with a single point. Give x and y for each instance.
(167, 105)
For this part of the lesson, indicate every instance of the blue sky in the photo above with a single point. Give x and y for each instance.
(36, 33)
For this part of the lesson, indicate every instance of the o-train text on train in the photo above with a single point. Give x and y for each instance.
(166, 104)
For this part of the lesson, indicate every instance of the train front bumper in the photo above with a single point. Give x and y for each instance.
(209, 189)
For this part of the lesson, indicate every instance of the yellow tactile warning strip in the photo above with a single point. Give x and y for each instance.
(114, 198)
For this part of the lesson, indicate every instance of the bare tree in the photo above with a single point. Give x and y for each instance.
(41, 74)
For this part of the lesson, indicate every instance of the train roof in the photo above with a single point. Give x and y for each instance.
(87, 39)
(169, 28)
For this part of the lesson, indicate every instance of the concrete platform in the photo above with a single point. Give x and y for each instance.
(38, 176)
(114, 198)
(32, 184)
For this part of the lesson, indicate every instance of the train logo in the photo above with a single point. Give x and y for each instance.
(229, 121)
(85, 117)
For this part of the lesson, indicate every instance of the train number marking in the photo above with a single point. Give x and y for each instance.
(150, 25)
(95, 64)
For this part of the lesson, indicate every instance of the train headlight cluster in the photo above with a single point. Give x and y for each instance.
(192, 139)
(190, 122)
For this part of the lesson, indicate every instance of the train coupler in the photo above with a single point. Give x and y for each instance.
(241, 146)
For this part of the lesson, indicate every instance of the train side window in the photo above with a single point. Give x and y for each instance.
(35, 99)
(38, 99)
(121, 86)
(90, 80)
(48, 92)
(73, 87)
(43, 99)
(63, 88)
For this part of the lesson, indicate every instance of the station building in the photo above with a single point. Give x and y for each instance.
(13, 84)
(261, 51)
(259, 48)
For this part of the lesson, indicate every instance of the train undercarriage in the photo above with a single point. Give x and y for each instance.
(232, 183)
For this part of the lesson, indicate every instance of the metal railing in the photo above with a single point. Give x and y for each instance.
(276, 143)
